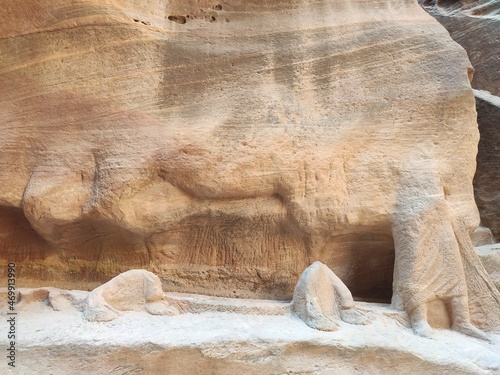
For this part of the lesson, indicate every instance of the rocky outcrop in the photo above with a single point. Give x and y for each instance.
(322, 300)
(472, 8)
(227, 146)
(474, 24)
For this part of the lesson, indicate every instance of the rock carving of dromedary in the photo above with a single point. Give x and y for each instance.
(137, 290)
(430, 228)
(321, 300)
(313, 124)
(433, 250)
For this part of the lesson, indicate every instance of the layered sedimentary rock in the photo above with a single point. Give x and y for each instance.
(227, 146)
(475, 24)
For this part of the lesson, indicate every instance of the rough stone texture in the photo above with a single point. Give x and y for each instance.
(490, 257)
(228, 146)
(475, 24)
(321, 300)
(231, 341)
(487, 178)
(472, 8)
(137, 290)
(482, 236)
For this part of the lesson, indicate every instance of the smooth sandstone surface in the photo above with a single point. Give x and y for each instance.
(227, 146)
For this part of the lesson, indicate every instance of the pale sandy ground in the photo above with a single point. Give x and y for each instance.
(62, 342)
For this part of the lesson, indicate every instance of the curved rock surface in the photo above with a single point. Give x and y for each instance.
(474, 24)
(490, 257)
(321, 300)
(137, 290)
(226, 146)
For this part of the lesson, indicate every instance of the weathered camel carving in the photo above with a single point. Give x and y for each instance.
(432, 243)
(434, 256)
(138, 290)
(319, 134)
(321, 299)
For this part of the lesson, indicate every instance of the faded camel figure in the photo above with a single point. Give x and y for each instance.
(311, 130)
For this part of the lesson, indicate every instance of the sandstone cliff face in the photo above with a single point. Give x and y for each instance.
(475, 24)
(226, 146)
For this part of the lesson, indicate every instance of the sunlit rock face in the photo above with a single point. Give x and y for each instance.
(475, 24)
(226, 146)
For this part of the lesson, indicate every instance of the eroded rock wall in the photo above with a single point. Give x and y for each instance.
(475, 25)
(225, 146)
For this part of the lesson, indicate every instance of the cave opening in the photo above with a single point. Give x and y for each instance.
(365, 263)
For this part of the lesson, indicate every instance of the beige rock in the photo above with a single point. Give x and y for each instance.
(482, 236)
(197, 304)
(230, 152)
(43, 299)
(490, 257)
(475, 24)
(231, 336)
(321, 300)
(137, 290)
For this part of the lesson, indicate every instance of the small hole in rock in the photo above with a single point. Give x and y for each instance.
(212, 19)
(136, 20)
(177, 19)
(218, 7)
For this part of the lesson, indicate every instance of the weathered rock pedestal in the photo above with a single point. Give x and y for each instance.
(66, 332)
(474, 24)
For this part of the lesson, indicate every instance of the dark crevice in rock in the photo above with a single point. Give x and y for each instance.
(178, 19)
